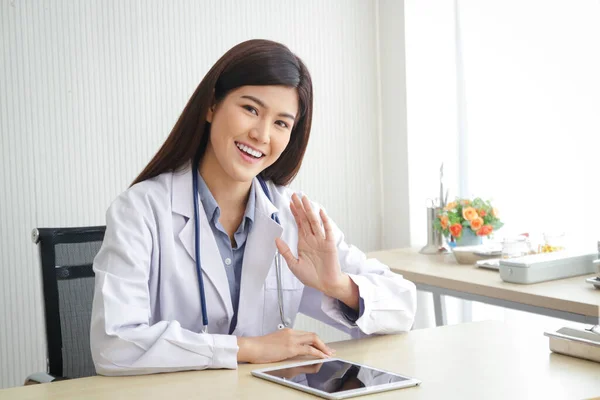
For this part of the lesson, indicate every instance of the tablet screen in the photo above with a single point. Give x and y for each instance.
(335, 376)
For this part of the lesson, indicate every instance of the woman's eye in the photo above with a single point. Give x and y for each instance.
(251, 109)
(282, 124)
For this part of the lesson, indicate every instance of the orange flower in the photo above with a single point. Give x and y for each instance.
(456, 230)
(482, 212)
(485, 230)
(465, 202)
(450, 206)
(495, 212)
(444, 221)
(476, 223)
(469, 213)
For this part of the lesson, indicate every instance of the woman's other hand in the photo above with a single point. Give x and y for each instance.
(281, 345)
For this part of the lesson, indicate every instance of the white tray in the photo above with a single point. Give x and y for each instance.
(576, 343)
(594, 281)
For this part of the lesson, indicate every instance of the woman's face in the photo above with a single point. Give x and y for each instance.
(250, 128)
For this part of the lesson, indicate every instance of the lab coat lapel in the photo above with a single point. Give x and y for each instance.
(212, 265)
(259, 254)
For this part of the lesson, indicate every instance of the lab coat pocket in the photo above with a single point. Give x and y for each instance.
(291, 293)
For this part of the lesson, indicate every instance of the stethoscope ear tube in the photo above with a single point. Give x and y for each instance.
(197, 246)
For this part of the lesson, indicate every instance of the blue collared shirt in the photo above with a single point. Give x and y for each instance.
(232, 256)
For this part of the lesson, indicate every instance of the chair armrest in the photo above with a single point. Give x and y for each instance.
(39, 377)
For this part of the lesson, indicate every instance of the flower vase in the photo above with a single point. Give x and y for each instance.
(468, 238)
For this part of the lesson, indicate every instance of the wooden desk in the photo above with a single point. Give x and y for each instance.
(490, 360)
(571, 299)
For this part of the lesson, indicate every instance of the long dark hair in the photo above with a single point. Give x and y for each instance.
(254, 62)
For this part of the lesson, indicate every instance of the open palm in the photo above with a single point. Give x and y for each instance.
(317, 264)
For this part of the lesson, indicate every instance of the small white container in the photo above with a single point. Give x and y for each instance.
(546, 266)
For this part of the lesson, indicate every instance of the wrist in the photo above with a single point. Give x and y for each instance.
(244, 349)
(338, 288)
(346, 291)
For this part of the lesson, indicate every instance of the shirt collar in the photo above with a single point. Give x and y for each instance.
(213, 212)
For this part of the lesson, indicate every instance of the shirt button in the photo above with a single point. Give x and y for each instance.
(228, 261)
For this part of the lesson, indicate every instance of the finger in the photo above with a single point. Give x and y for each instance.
(308, 350)
(316, 342)
(302, 228)
(327, 226)
(293, 209)
(311, 338)
(286, 253)
(301, 213)
(315, 223)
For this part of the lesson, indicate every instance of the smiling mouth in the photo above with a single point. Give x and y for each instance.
(248, 151)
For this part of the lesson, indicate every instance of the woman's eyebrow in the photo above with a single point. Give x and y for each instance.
(263, 105)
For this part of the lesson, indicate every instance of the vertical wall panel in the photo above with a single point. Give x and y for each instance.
(90, 89)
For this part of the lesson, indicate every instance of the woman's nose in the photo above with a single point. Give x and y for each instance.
(261, 133)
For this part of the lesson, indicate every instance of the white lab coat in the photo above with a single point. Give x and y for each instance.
(146, 315)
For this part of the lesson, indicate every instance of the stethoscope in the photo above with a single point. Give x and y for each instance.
(285, 322)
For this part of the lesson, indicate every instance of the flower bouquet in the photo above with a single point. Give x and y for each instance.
(464, 217)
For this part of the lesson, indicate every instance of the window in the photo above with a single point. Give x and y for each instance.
(507, 95)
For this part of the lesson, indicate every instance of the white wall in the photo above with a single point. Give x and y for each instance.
(89, 90)
(393, 141)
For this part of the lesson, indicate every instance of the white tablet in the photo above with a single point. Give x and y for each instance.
(335, 379)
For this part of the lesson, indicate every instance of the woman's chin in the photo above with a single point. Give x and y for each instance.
(244, 175)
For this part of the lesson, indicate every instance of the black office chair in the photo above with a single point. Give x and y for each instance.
(67, 255)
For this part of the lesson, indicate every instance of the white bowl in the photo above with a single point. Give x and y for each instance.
(472, 254)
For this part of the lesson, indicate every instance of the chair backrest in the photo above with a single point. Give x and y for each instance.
(67, 255)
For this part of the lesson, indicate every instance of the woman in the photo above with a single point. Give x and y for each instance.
(220, 180)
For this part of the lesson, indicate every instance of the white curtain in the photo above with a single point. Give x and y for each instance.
(507, 95)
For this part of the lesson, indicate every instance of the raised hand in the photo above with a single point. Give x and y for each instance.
(317, 264)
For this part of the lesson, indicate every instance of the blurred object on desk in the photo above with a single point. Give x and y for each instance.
(553, 241)
(576, 343)
(546, 266)
(517, 246)
(492, 263)
(472, 254)
(468, 221)
(435, 241)
(594, 281)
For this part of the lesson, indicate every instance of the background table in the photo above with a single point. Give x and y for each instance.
(571, 299)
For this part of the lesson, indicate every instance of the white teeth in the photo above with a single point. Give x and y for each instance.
(248, 150)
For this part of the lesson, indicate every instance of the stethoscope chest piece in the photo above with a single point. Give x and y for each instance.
(286, 324)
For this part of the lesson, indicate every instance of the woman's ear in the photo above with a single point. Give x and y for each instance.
(211, 110)
(210, 114)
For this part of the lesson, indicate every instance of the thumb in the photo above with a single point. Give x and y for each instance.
(286, 253)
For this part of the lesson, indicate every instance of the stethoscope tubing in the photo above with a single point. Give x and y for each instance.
(284, 323)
